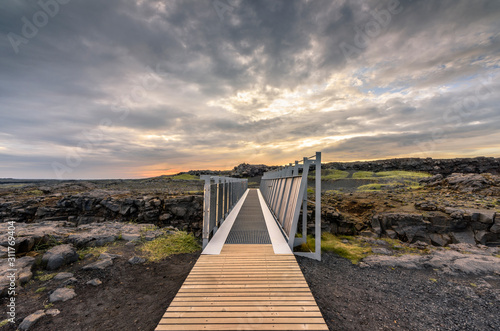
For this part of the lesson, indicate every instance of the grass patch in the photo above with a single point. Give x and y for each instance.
(363, 175)
(473, 284)
(95, 251)
(41, 289)
(45, 277)
(371, 187)
(329, 174)
(48, 244)
(402, 174)
(498, 255)
(434, 280)
(332, 192)
(161, 247)
(48, 306)
(352, 251)
(34, 192)
(4, 322)
(185, 177)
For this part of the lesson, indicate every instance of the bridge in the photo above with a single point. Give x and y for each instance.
(247, 277)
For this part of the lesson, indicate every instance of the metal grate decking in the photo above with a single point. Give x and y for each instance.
(249, 226)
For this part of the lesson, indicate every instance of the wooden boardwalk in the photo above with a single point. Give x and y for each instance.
(246, 287)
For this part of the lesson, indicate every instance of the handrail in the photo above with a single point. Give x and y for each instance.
(220, 196)
(285, 192)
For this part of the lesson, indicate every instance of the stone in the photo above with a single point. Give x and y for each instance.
(381, 250)
(375, 223)
(404, 261)
(439, 239)
(136, 260)
(165, 217)
(94, 282)
(483, 216)
(466, 237)
(22, 276)
(62, 294)
(420, 245)
(58, 256)
(478, 264)
(368, 234)
(31, 320)
(495, 228)
(130, 236)
(111, 205)
(391, 234)
(105, 256)
(70, 281)
(485, 237)
(99, 265)
(179, 211)
(3, 252)
(52, 312)
(63, 275)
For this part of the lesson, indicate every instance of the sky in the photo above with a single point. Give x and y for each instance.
(136, 88)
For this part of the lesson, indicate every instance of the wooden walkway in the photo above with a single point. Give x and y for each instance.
(246, 287)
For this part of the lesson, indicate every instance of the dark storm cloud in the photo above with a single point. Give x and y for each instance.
(179, 81)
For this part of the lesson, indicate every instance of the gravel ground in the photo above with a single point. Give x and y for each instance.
(382, 298)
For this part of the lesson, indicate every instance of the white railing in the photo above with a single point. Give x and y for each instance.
(285, 192)
(220, 196)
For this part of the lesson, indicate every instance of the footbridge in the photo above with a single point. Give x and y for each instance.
(247, 277)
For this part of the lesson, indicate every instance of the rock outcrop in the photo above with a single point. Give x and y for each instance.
(444, 167)
(58, 256)
(184, 212)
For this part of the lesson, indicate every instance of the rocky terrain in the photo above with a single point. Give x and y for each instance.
(444, 210)
(444, 167)
(449, 222)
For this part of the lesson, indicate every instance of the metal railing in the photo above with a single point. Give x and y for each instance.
(285, 192)
(220, 196)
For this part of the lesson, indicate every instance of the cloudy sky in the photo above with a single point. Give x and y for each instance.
(136, 88)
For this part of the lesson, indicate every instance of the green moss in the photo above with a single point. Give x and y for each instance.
(370, 187)
(473, 284)
(48, 306)
(95, 251)
(434, 280)
(333, 192)
(185, 177)
(402, 174)
(4, 322)
(161, 247)
(45, 277)
(41, 289)
(352, 251)
(332, 174)
(363, 175)
(34, 192)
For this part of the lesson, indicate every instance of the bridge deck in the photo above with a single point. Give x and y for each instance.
(245, 287)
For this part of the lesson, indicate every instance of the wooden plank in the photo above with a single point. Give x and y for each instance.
(241, 320)
(246, 287)
(245, 298)
(243, 314)
(243, 308)
(277, 302)
(226, 327)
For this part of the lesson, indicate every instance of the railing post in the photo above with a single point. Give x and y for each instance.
(317, 218)
(206, 210)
